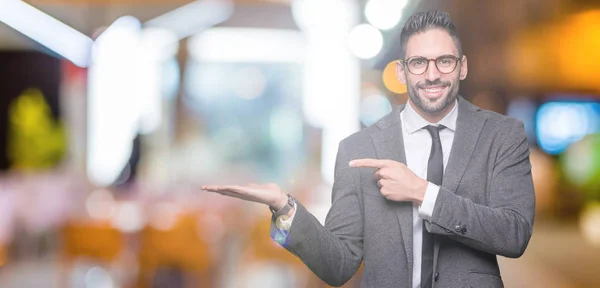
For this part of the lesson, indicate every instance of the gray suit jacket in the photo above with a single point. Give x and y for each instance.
(485, 208)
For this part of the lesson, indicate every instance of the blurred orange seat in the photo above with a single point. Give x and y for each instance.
(95, 241)
(263, 248)
(180, 246)
(98, 241)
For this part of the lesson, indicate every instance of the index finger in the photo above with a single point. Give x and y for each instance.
(371, 163)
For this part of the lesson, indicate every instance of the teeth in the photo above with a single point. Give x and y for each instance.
(432, 90)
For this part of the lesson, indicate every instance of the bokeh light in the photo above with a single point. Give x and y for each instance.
(163, 216)
(373, 107)
(98, 277)
(129, 217)
(581, 165)
(590, 223)
(384, 14)
(561, 123)
(365, 41)
(390, 79)
(100, 204)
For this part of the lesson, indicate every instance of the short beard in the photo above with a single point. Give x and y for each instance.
(413, 94)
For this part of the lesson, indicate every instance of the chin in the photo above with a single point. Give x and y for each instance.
(433, 105)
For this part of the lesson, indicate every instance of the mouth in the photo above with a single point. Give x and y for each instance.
(433, 92)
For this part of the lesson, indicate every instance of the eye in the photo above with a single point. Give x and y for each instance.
(418, 62)
(446, 60)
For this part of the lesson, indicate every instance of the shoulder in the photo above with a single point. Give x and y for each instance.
(501, 126)
(358, 140)
(493, 119)
(501, 122)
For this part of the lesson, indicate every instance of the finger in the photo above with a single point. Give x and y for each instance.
(370, 163)
(376, 175)
(384, 192)
(212, 188)
(234, 188)
(384, 173)
(380, 183)
(380, 174)
(216, 190)
(231, 188)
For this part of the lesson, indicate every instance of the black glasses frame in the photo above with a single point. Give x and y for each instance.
(405, 63)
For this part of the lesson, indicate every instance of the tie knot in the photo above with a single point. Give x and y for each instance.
(434, 130)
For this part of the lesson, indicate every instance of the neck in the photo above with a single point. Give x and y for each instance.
(432, 117)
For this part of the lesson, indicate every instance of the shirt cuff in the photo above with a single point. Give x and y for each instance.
(287, 223)
(426, 208)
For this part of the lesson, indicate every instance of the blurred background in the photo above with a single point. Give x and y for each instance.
(114, 113)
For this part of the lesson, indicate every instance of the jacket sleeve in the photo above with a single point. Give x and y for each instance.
(504, 227)
(333, 252)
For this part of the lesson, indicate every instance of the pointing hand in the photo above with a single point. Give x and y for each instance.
(395, 180)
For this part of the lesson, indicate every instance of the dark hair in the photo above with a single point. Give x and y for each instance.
(423, 21)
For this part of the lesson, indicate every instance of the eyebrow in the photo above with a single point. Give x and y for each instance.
(418, 56)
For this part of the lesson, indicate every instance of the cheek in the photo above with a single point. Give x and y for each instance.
(452, 79)
(412, 81)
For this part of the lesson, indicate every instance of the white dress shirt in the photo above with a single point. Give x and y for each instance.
(417, 147)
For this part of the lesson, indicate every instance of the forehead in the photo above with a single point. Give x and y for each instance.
(431, 43)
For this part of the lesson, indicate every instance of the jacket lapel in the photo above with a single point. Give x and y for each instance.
(389, 144)
(468, 128)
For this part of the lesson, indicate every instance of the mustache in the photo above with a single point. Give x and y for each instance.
(435, 83)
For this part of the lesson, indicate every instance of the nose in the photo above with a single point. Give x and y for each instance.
(432, 72)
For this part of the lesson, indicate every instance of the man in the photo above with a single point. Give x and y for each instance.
(428, 195)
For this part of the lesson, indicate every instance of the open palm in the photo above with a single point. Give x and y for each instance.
(269, 194)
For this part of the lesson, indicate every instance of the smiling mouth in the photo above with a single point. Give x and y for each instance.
(433, 89)
(433, 92)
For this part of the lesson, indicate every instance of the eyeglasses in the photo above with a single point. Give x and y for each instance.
(417, 65)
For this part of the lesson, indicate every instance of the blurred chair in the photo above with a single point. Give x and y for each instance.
(95, 241)
(177, 249)
(262, 254)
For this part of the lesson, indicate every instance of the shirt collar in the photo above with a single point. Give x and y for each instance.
(412, 121)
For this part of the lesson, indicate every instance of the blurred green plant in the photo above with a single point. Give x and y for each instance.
(35, 140)
(581, 166)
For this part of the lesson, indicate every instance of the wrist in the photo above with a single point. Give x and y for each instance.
(279, 202)
(285, 208)
(420, 195)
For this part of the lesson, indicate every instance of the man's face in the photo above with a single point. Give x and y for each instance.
(432, 91)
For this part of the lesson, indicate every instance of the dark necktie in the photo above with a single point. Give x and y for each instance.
(435, 172)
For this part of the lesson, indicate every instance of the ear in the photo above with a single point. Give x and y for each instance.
(400, 72)
(463, 68)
